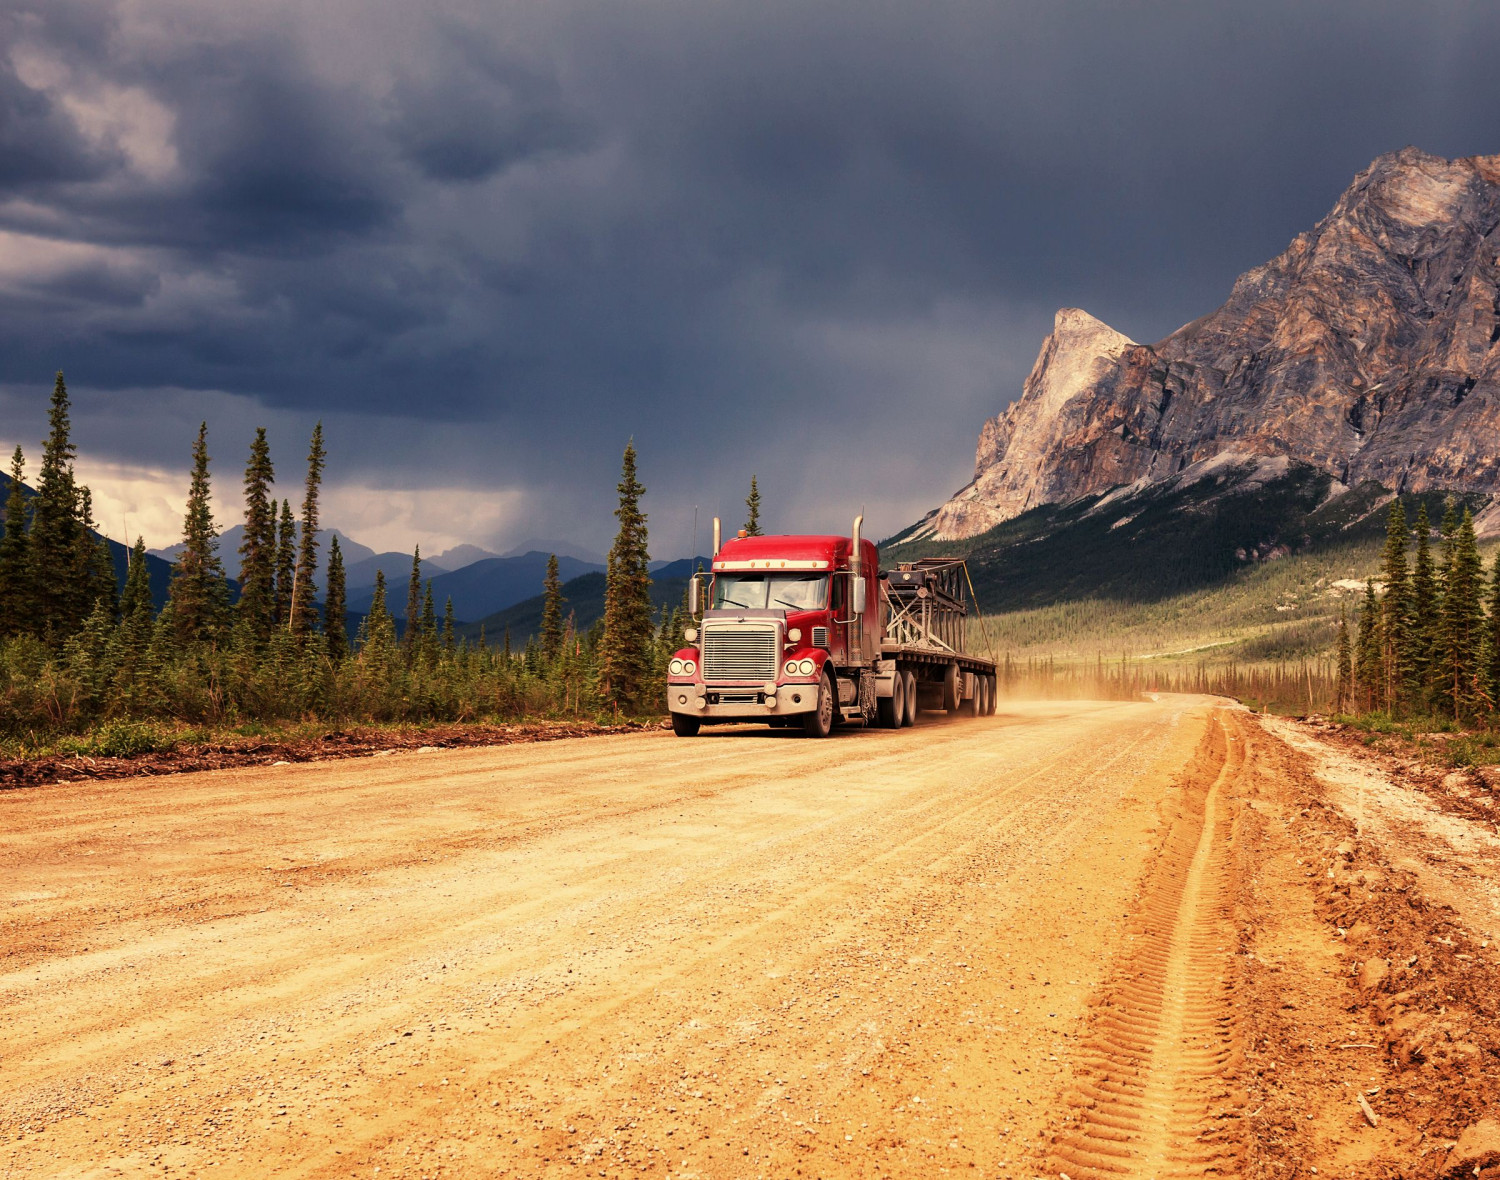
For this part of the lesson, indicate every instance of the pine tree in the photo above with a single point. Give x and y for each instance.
(625, 651)
(448, 636)
(1396, 612)
(552, 604)
(1492, 644)
(257, 606)
(286, 565)
(94, 561)
(1367, 667)
(379, 644)
(752, 506)
(427, 640)
(413, 630)
(306, 611)
(16, 607)
(1463, 622)
(1344, 688)
(137, 593)
(335, 609)
(1424, 611)
(199, 596)
(60, 599)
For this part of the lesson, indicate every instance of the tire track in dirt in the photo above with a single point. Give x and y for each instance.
(1154, 1094)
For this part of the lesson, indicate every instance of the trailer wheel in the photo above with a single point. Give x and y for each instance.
(951, 683)
(984, 695)
(992, 687)
(819, 723)
(892, 709)
(910, 679)
(685, 726)
(973, 705)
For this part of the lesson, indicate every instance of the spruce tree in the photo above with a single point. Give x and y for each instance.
(552, 604)
(60, 599)
(1463, 622)
(625, 650)
(305, 610)
(257, 606)
(199, 596)
(1367, 667)
(427, 640)
(752, 507)
(448, 636)
(1492, 641)
(137, 594)
(335, 611)
(94, 561)
(413, 630)
(1344, 687)
(16, 607)
(1424, 611)
(286, 565)
(1395, 614)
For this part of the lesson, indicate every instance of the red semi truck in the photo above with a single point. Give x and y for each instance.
(806, 631)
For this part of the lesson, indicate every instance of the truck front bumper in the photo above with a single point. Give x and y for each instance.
(741, 703)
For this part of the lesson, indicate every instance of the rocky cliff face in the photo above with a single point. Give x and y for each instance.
(1370, 348)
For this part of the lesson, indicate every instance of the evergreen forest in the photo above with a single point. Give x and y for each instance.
(81, 654)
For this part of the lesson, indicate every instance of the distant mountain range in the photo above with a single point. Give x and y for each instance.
(1369, 351)
(583, 602)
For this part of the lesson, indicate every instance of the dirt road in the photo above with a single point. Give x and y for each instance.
(1032, 944)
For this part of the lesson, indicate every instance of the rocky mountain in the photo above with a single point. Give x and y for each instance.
(1369, 350)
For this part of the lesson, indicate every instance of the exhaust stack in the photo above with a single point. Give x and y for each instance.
(718, 536)
(855, 562)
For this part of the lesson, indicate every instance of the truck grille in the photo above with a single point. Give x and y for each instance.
(739, 652)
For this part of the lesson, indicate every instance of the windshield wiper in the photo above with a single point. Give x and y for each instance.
(736, 602)
(791, 605)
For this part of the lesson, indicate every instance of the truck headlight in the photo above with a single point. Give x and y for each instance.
(793, 668)
(689, 667)
(675, 668)
(805, 667)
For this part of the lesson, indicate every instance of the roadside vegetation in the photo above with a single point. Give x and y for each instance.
(88, 668)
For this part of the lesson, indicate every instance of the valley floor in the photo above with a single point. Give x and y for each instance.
(1148, 938)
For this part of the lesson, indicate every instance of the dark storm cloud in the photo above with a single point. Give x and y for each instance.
(834, 233)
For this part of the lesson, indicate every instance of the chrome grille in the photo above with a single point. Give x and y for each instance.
(740, 652)
(820, 637)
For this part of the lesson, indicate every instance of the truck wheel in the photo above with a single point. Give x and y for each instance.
(910, 717)
(984, 696)
(819, 723)
(685, 726)
(992, 688)
(973, 705)
(892, 709)
(951, 699)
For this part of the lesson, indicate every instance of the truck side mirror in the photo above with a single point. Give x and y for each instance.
(693, 595)
(859, 594)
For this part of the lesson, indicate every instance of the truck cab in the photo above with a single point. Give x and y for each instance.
(790, 634)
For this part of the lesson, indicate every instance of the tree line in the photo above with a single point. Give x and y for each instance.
(77, 651)
(1427, 642)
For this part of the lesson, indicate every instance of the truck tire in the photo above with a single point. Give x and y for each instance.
(892, 709)
(984, 696)
(819, 723)
(951, 683)
(973, 705)
(910, 678)
(992, 686)
(685, 726)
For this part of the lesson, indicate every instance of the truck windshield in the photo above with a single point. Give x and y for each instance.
(771, 591)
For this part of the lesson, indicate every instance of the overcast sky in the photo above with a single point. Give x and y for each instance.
(487, 243)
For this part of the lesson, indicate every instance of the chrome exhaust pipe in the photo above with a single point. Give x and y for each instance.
(855, 557)
(718, 536)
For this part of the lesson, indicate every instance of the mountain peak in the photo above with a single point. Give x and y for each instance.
(1370, 349)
